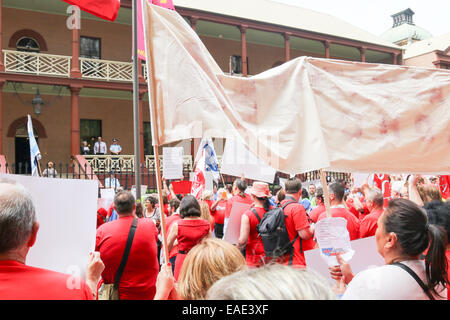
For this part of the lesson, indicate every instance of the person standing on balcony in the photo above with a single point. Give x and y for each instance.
(85, 148)
(115, 148)
(100, 147)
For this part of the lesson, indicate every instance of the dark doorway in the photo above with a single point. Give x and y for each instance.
(23, 165)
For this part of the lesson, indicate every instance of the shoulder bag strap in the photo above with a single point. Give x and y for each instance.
(416, 277)
(123, 262)
(255, 213)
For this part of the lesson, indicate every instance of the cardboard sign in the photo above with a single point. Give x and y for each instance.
(66, 211)
(238, 161)
(181, 187)
(234, 224)
(365, 256)
(173, 163)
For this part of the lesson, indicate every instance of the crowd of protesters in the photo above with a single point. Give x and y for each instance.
(409, 217)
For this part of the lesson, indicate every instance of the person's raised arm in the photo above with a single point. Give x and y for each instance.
(414, 195)
(244, 232)
(165, 284)
(173, 232)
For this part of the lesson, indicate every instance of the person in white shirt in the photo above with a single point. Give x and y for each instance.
(403, 234)
(100, 146)
(115, 148)
(112, 181)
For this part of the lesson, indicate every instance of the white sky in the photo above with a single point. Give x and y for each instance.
(374, 16)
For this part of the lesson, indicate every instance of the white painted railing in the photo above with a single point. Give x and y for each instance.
(106, 163)
(36, 63)
(106, 70)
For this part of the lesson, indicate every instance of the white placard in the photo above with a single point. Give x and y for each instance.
(333, 238)
(359, 179)
(66, 212)
(282, 182)
(366, 256)
(233, 229)
(238, 161)
(173, 163)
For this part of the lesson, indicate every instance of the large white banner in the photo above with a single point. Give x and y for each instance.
(66, 212)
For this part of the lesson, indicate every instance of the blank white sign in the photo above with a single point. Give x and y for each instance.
(66, 210)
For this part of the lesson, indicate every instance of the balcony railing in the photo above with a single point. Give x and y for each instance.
(37, 63)
(59, 65)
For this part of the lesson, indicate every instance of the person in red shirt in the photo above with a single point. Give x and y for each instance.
(374, 202)
(174, 204)
(188, 231)
(18, 233)
(101, 216)
(248, 237)
(239, 195)
(218, 209)
(336, 192)
(139, 276)
(317, 211)
(297, 224)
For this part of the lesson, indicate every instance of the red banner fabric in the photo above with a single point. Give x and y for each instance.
(182, 187)
(105, 9)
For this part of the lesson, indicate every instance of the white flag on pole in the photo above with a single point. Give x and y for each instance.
(35, 154)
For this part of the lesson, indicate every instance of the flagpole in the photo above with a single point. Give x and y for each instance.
(137, 153)
(155, 137)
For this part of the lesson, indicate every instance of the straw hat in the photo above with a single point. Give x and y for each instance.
(260, 189)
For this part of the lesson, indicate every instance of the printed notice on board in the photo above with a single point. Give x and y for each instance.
(333, 238)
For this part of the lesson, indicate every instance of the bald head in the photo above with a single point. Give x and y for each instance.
(17, 215)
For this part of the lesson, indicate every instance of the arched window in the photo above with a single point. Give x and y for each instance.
(27, 44)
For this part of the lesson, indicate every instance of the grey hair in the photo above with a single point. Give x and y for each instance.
(374, 194)
(272, 282)
(17, 215)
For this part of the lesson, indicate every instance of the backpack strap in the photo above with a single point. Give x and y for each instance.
(123, 262)
(416, 277)
(255, 213)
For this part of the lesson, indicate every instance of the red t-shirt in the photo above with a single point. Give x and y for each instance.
(219, 212)
(139, 276)
(316, 212)
(295, 221)
(254, 250)
(353, 223)
(22, 282)
(369, 224)
(236, 198)
(351, 207)
(169, 221)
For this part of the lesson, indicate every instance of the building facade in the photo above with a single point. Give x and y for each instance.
(84, 76)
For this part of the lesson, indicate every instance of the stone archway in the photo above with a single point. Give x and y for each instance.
(16, 124)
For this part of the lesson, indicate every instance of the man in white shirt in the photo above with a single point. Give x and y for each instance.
(100, 146)
(112, 181)
(115, 148)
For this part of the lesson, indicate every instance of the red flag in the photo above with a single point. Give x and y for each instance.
(105, 9)
(383, 182)
(198, 185)
(444, 185)
(164, 3)
(182, 187)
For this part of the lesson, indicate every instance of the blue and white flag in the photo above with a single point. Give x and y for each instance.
(211, 163)
(35, 154)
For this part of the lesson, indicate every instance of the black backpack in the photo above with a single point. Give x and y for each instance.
(273, 233)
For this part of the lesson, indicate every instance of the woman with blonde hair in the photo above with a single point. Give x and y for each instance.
(205, 214)
(206, 263)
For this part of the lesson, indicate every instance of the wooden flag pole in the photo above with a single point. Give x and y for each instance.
(326, 196)
(155, 130)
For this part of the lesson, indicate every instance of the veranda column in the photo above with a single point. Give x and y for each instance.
(396, 58)
(2, 82)
(362, 50)
(243, 28)
(287, 46)
(327, 49)
(2, 66)
(75, 121)
(75, 67)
